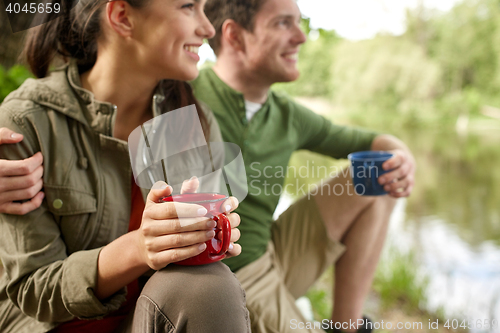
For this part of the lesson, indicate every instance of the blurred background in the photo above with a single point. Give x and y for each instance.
(429, 73)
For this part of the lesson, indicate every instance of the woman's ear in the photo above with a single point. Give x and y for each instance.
(118, 17)
(232, 34)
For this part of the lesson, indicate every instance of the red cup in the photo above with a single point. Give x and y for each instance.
(216, 249)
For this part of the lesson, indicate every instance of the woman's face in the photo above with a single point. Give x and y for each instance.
(169, 34)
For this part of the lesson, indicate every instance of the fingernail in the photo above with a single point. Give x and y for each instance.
(192, 178)
(210, 234)
(228, 208)
(211, 224)
(202, 247)
(15, 136)
(202, 211)
(159, 186)
(231, 246)
(42, 195)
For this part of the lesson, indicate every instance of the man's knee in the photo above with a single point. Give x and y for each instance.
(386, 202)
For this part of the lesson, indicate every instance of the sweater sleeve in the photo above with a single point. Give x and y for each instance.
(320, 135)
(43, 281)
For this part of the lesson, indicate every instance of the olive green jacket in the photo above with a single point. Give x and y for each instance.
(50, 255)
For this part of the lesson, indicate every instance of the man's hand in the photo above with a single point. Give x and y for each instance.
(20, 180)
(400, 180)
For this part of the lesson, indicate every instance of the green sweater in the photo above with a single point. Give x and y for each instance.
(267, 142)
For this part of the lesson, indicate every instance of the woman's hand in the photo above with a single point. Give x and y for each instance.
(174, 231)
(229, 205)
(191, 186)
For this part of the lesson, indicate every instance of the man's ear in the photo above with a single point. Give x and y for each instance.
(232, 34)
(118, 17)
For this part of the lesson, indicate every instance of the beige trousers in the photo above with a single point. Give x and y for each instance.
(299, 252)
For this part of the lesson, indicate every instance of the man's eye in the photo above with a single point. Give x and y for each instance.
(188, 6)
(283, 23)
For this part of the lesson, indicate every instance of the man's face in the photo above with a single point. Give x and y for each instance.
(272, 48)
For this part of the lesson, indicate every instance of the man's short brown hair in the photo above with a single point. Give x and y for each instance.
(241, 11)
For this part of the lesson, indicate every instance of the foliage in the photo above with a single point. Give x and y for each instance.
(10, 80)
(446, 66)
(321, 303)
(465, 42)
(398, 284)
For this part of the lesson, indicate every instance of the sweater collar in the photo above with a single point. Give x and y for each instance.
(232, 93)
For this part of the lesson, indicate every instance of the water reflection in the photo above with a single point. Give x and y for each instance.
(453, 221)
(459, 182)
(464, 279)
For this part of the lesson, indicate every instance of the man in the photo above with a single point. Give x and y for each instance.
(257, 43)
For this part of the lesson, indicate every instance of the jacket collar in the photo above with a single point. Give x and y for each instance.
(62, 91)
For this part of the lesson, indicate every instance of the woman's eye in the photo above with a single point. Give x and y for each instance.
(188, 6)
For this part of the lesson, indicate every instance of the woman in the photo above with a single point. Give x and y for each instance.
(70, 265)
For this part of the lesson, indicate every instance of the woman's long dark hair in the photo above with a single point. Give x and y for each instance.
(74, 35)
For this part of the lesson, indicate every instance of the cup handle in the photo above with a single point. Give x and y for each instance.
(226, 233)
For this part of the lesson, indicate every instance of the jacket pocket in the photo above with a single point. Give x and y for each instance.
(75, 212)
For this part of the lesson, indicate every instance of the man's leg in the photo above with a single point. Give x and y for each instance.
(299, 252)
(360, 223)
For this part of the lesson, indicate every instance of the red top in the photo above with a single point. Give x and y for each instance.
(112, 321)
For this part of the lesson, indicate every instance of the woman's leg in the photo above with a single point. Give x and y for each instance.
(205, 298)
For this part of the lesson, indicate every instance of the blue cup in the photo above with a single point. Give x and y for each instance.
(366, 168)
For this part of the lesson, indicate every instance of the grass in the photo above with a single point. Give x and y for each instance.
(398, 283)
(398, 287)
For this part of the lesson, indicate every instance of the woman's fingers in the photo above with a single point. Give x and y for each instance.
(234, 220)
(234, 251)
(159, 190)
(190, 186)
(229, 205)
(172, 241)
(171, 210)
(235, 235)
(158, 260)
(171, 226)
